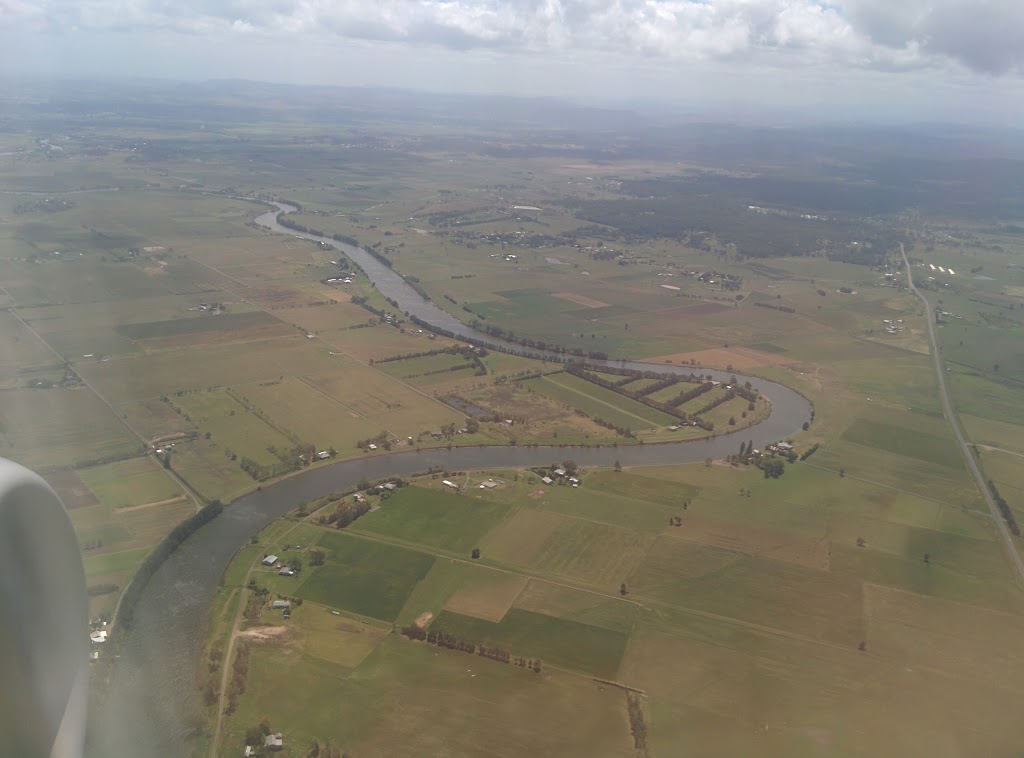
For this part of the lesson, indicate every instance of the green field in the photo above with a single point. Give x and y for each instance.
(560, 642)
(130, 483)
(433, 517)
(598, 402)
(368, 578)
(860, 604)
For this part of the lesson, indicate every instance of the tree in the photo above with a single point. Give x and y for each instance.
(622, 589)
(314, 749)
(806, 425)
(927, 558)
(732, 421)
(861, 542)
(618, 466)
(862, 646)
(472, 426)
(773, 468)
(842, 472)
(570, 467)
(317, 558)
(475, 554)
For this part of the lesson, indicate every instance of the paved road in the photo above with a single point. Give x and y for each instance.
(947, 407)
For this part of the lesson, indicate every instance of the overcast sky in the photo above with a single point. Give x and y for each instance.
(905, 59)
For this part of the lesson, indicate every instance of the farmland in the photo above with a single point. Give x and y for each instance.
(855, 602)
(772, 585)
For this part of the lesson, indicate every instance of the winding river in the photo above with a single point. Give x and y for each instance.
(152, 702)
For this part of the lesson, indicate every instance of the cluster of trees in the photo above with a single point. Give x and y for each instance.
(239, 675)
(451, 642)
(625, 431)
(160, 553)
(810, 451)
(381, 439)
(345, 513)
(1004, 508)
(729, 395)
(288, 460)
(772, 467)
(637, 724)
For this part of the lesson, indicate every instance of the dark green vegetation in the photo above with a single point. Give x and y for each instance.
(367, 578)
(561, 642)
(435, 518)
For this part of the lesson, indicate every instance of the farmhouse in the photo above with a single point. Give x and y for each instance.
(270, 560)
(323, 455)
(547, 480)
(98, 636)
(559, 472)
(286, 571)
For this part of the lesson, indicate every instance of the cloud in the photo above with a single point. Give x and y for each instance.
(984, 35)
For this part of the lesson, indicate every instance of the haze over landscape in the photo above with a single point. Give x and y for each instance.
(869, 60)
(576, 377)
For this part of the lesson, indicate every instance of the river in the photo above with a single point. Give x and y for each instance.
(153, 698)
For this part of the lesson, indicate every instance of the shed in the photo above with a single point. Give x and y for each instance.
(278, 605)
(270, 560)
(274, 741)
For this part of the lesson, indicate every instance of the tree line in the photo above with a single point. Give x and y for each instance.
(1004, 508)
(451, 642)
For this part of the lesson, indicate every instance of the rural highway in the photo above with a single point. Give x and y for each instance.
(947, 408)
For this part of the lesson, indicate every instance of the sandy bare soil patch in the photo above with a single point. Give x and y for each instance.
(267, 633)
(423, 619)
(583, 300)
(741, 358)
(154, 249)
(751, 540)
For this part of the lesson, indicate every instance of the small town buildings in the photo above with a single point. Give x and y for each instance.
(270, 560)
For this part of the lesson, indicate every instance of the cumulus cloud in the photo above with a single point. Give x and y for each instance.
(984, 35)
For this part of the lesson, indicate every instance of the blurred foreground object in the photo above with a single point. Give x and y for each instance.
(44, 617)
